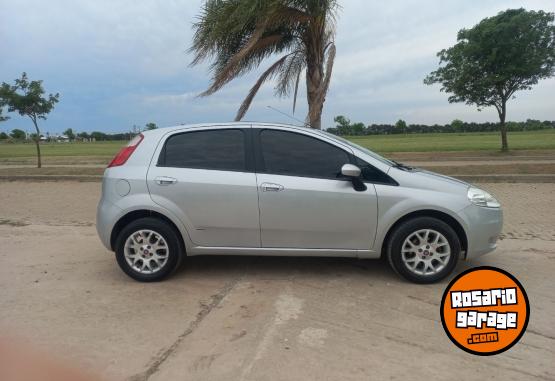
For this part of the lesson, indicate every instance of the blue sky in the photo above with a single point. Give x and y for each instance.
(119, 63)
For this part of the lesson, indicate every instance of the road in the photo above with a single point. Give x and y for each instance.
(242, 318)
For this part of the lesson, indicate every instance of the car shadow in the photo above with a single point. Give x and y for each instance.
(275, 267)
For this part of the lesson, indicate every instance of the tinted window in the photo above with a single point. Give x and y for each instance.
(293, 154)
(373, 174)
(215, 149)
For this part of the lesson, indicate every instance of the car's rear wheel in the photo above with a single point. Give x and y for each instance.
(148, 249)
(423, 249)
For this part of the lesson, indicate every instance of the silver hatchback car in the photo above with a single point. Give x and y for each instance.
(266, 189)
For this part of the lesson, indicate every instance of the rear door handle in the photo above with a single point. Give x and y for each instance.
(164, 180)
(271, 187)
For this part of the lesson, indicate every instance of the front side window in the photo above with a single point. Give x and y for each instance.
(373, 174)
(222, 150)
(289, 153)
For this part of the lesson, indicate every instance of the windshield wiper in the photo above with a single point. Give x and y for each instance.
(402, 166)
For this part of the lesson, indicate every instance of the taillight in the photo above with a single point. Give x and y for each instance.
(125, 152)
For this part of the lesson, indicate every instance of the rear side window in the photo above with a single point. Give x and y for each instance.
(222, 150)
(288, 153)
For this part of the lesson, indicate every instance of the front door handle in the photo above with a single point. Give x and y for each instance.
(164, 180)
(271, 187)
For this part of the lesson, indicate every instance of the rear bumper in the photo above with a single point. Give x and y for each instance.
(107, 215)
(484, 227)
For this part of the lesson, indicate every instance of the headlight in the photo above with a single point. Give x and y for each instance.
(482, 198)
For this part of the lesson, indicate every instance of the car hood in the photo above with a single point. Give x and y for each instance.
(423, 179)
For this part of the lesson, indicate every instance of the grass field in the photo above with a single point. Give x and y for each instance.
(544, 139)
(61, 149)
(478, 141)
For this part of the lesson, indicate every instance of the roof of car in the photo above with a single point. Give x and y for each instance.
(164, 130)
(226, 124)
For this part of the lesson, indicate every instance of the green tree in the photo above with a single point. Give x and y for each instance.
(3, 118)
(358, 128)
(343, 125)
(150, 126)
(496, 58)
(83, 135)
(28, 99)
(238, 35)
(401, 126)
(18, 134)
(70, 134)
(96, 135)
(457, 125)
(3, 136)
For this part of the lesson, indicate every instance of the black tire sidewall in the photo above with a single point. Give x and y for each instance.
(410, 226)
(160, 227)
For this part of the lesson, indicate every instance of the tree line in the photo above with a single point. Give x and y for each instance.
(18, 135)
(345, 127)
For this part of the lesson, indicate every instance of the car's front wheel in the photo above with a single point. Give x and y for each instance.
(423, 249)
(148, 249)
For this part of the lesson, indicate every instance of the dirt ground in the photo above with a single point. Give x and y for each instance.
(254, 318)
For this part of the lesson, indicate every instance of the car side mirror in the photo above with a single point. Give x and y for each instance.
(353, 172)
(350, 170)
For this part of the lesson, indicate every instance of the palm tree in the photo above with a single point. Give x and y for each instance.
(237, 35)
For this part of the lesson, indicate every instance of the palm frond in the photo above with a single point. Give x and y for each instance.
(329, 68)
(256, 49)
(295, 64)
(269, 73)
(285, 15)
(296, 91)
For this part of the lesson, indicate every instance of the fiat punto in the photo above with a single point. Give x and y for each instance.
(267, 189)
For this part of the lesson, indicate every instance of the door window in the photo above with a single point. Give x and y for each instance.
(222, 150)
(373, 174)
(292, 154)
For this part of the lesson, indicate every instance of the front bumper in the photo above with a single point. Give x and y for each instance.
(483, 228)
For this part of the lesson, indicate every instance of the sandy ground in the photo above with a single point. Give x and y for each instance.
(241, 318)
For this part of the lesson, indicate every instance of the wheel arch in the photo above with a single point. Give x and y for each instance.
(442, 216)
(141, 213)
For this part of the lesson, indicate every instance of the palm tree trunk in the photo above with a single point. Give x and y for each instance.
(315, 104)
(314, 80)
(37, 141)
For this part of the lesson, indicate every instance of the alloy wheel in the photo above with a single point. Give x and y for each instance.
(146, 251)
(426, 252)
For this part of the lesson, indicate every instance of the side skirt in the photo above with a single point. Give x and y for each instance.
(285, 252)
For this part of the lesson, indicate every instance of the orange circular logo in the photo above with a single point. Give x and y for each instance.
(485, 310)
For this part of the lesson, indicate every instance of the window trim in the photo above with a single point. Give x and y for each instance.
(260, 166)
(247, 150)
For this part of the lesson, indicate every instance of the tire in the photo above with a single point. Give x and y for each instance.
(420, 257)
(148, 249)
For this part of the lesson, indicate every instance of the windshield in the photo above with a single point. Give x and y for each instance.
(361, 148)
